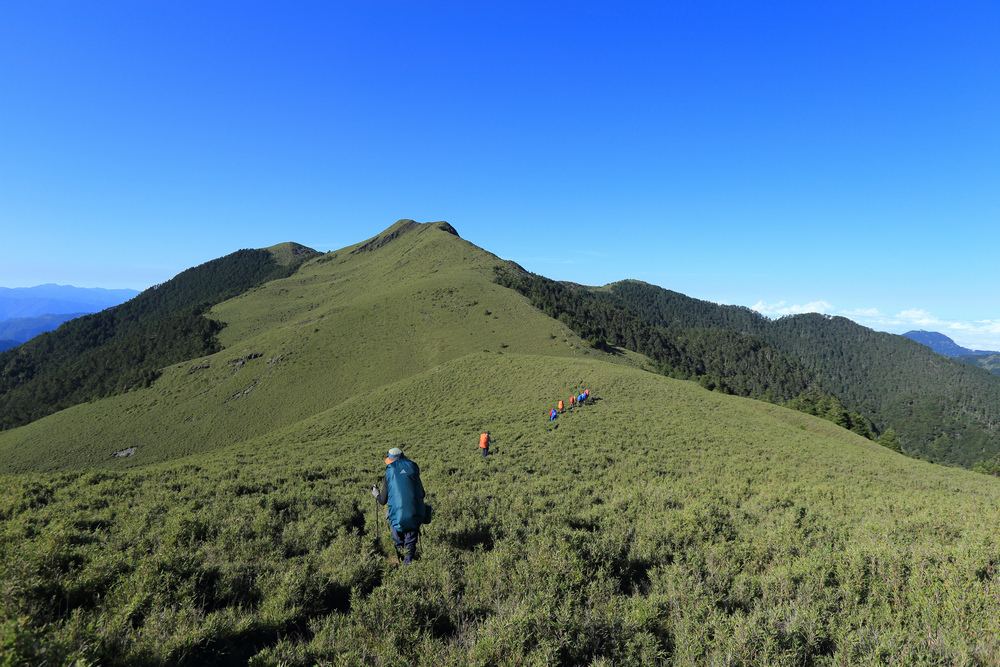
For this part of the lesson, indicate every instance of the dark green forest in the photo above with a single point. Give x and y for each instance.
(733, 362)
(990, 362)
(730, 361)
(942, 410)
(939, 409)
(124, 347)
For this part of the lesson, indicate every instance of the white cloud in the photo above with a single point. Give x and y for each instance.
(974, 334)
(764, 308)
(918, 316)
(780, 309)
(861, 312)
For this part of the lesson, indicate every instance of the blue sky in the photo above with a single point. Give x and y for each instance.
(842, 157)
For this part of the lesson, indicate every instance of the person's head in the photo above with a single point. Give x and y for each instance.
(394, 455)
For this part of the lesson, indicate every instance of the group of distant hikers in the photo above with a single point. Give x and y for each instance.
(574, 402)
(403, 491)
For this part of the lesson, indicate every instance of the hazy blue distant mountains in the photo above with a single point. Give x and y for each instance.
(20, 329)
(26, 312)
(20, 302)
(942, 344)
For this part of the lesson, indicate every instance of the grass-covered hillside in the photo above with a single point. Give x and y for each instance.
(346, 323)
(660, 524)
(123, 348)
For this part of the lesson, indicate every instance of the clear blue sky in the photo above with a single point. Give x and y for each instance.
(834, 156)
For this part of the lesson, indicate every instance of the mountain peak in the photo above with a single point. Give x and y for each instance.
(941, 343)
(400, 228)
(287, 253)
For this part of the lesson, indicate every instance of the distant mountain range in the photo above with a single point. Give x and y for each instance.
(26, 312)
(21, 329)
(58, 299)
(943, 345)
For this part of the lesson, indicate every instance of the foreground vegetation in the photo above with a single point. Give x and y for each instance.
(221, 515)
(662, 524)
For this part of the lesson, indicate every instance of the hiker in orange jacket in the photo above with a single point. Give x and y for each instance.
(560, 406)
(484, 442)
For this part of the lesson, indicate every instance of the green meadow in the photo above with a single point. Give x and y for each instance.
(660, 524)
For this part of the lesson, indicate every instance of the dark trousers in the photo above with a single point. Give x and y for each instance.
(406, 542)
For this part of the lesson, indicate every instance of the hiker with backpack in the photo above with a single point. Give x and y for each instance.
(484, 442)
(403, 491)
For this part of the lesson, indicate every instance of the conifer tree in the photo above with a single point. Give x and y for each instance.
(889, 439)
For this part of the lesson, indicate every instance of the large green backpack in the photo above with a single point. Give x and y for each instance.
(406, 495)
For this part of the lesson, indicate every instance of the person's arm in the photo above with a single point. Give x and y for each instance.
(382, 497)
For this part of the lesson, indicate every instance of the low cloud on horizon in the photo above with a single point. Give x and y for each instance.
(974, 334)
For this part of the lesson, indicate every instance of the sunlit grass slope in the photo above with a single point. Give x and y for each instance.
(345, 323)
(661, 524)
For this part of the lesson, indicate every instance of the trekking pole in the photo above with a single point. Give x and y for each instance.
(376, 512)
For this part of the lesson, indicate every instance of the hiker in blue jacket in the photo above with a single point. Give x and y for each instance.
(404, 493)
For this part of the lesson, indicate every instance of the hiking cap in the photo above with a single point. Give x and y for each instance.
(395, 453)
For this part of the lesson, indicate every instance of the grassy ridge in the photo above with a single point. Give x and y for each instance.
(298, 346)
(662, 524)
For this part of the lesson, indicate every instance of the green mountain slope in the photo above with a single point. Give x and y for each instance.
(990, 362)
(121, 348)
(297, 346)
(732, 361)
(941, 409)
(659, 524)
